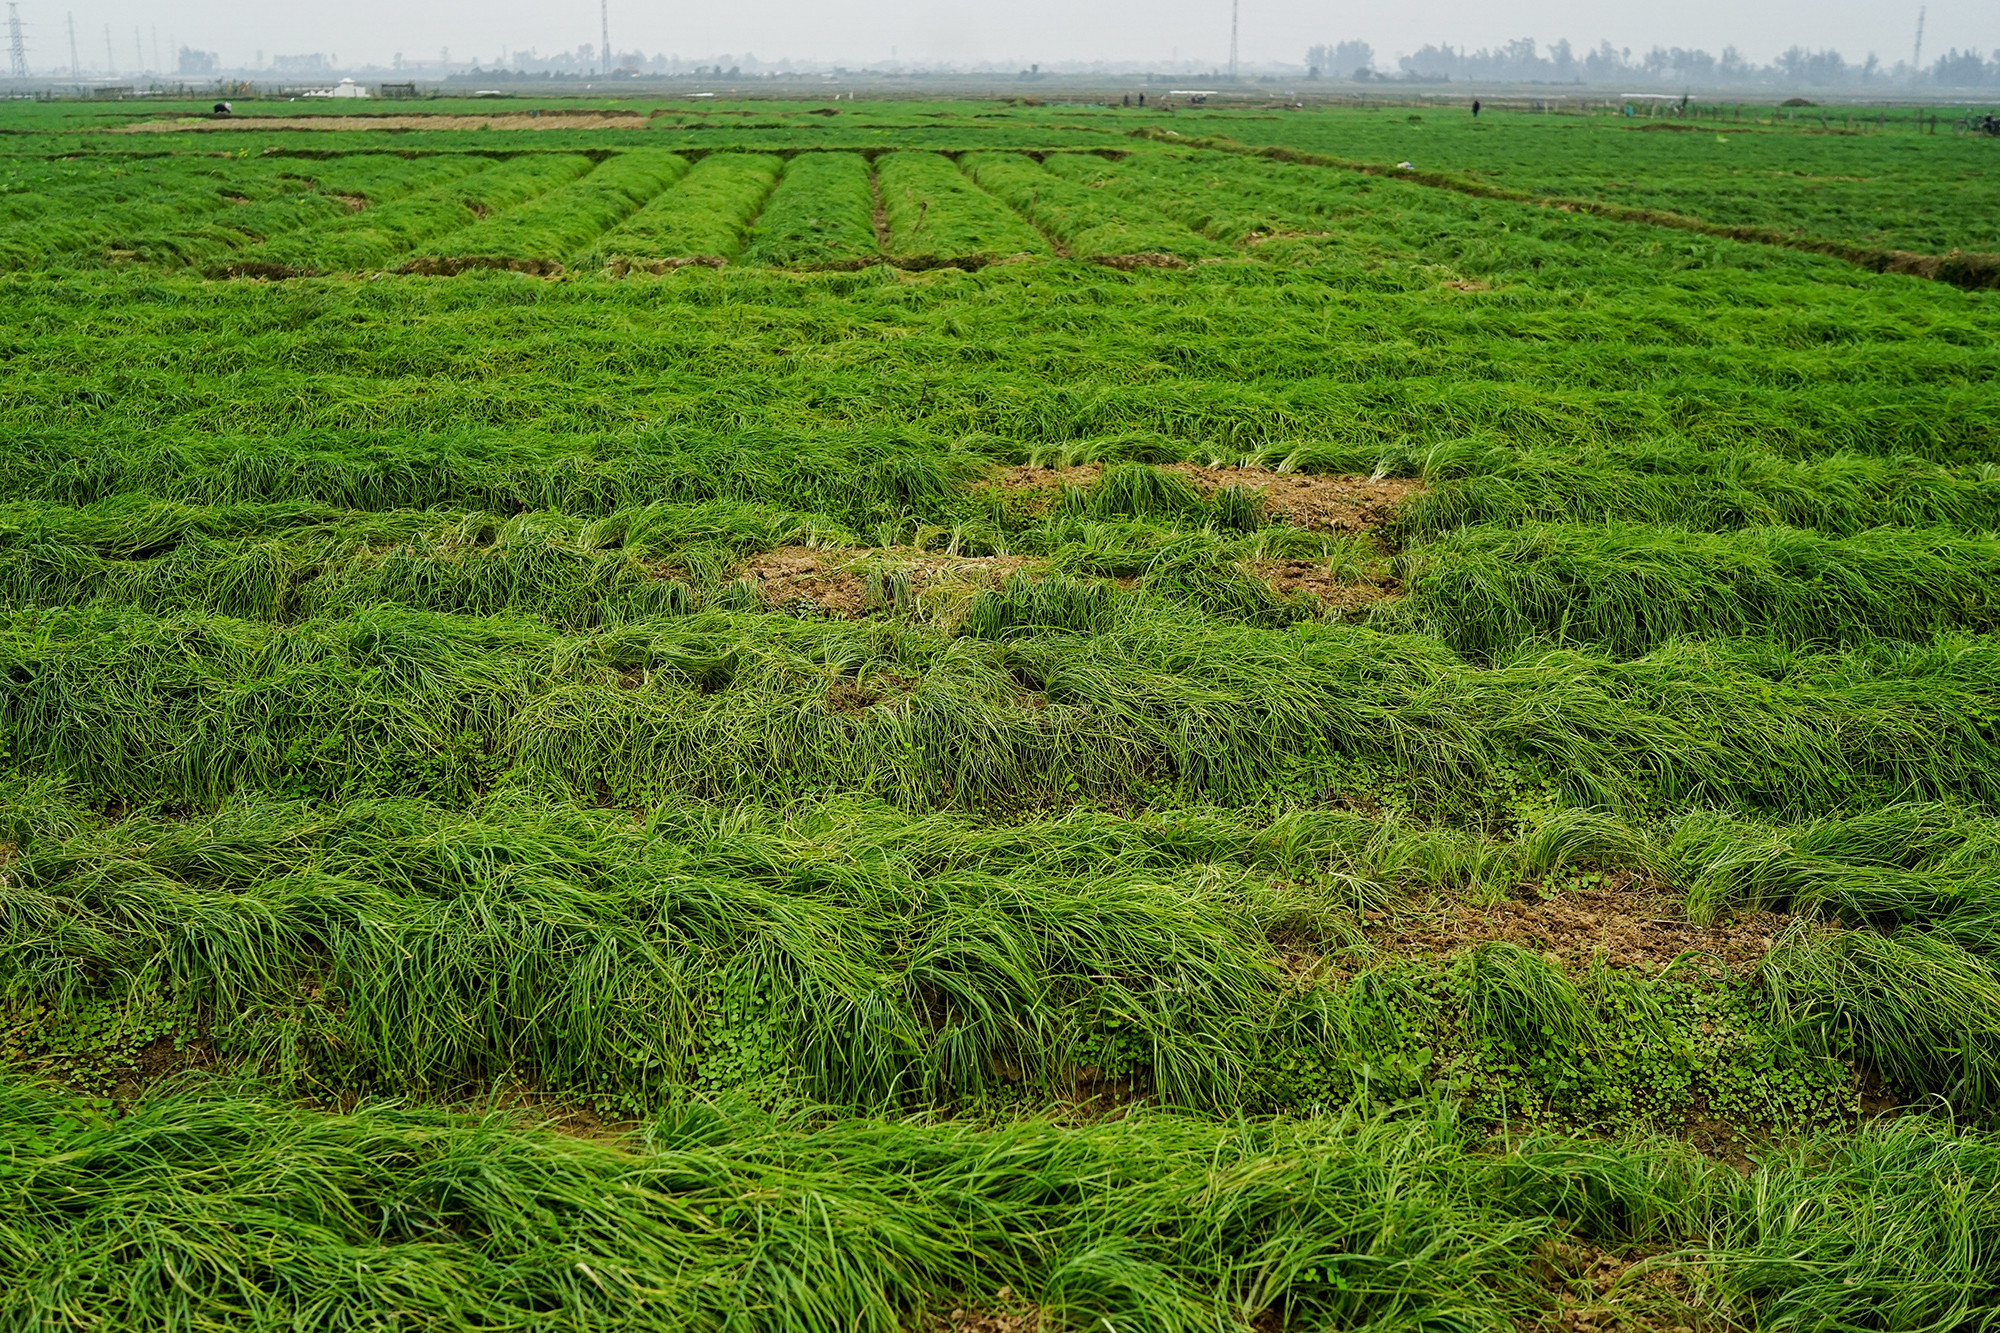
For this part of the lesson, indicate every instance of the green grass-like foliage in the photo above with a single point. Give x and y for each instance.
(552, 226)
(381, 236)
(1631, 589)
(937, 216)
(176, 212)
(820, 216)
(267, 1215)
(1232, 203)
(1088, 222)
(669, 703)
(706, 215)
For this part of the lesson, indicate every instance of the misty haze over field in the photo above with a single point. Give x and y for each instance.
(1701, 42)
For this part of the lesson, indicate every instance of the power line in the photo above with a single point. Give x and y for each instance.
(1234, 7)
(17, 46)
(1917, 56)
(75, 65)
(604, 24)
(110, 61)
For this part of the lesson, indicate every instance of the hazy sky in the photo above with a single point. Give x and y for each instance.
(1017, 31)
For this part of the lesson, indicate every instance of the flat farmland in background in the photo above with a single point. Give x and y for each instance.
(918, 716)
(1886, 176)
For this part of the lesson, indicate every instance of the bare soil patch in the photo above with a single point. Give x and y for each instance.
(1462, 285)
(1147, 259)
(1595, 1290)
(1305, 500)
(517, 120)
(1295, 576)
(1004, 1316)
(451, 266)
(624, 264)
(354, 203)
(158, 1060)
(1633, 922)
(534, 1107)
(968, 263)
(831, 581)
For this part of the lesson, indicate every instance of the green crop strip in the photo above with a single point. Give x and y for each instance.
(936, 216)
(539, 233)
(378, 237)
(704, 218)
(818, 217)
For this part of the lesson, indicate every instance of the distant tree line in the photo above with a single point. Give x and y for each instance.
(1527, 61)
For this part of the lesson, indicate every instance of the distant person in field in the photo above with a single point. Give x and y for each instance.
(1475, 108)
(222, 108)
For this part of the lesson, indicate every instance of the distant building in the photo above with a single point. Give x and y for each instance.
(345, 88)
(198, 62)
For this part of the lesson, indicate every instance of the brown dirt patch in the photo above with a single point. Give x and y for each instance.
(1322, 503)
(517, 120)
(157, 1060)
(624, 264)
(1595, 1290)
(1462, 285)
(968, 263)
(831, 581)
(1295, 576)
(1149, 259)
(1633, 922)
(837, 582)
(1003, 1317)
(446, 266)
(537, 1108)
(354, 203)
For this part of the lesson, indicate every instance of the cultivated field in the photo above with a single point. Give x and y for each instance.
(922, 717)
